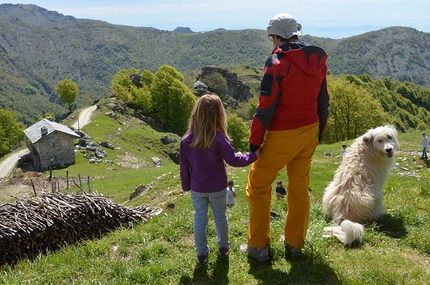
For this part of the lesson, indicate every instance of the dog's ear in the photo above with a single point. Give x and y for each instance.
(368, 139)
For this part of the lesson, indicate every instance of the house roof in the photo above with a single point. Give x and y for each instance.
(34, 133)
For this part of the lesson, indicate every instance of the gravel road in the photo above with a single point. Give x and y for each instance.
(84, 117)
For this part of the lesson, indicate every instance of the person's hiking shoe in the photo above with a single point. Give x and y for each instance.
(203, 258)
(261, 254)
(292, 253)
(224, 251)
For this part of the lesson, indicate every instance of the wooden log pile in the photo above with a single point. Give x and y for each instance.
(42, 224)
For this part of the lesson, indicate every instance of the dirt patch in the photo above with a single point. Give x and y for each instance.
(129, 160)
(21, 185)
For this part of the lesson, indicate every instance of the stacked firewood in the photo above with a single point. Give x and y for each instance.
(54, 220)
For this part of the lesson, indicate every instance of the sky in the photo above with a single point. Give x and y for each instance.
(329, 18)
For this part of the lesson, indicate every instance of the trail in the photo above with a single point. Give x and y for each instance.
(84, 117)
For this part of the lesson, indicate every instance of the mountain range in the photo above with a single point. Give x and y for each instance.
(38, 48)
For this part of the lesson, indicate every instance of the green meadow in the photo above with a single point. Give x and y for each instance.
(396, 249)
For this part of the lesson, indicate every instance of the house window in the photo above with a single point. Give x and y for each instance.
(64, 143)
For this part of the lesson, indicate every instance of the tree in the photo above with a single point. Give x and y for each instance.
(67, 91)
(141, 97)
(11, 131)
(131, 93)
(147, 77)
(87, 99)
(353, 111)
(121, 84)
(172, 100)
(252, 106)
(238, 132)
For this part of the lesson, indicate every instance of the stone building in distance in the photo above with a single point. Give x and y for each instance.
(48, 141)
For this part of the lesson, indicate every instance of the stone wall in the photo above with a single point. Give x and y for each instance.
(57, 146)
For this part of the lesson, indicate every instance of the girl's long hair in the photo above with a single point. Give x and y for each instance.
(208, 117)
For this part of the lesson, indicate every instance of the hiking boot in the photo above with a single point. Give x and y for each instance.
(224, 251)
(261, 254)
(292, 253)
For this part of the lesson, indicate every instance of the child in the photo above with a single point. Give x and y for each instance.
(231, 193)
(280, 190)
(344, 150)
(425, 143)
(204, 148)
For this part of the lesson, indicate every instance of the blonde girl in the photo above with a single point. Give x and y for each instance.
(204, 149)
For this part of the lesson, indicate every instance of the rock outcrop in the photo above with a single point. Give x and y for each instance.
(235, 88)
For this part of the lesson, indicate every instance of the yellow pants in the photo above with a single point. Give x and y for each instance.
(292, 149)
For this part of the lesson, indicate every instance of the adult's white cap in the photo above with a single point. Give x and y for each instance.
(285, 26)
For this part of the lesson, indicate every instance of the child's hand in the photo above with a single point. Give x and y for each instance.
(258, 151)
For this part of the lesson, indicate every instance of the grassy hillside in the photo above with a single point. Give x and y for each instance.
(396, 250)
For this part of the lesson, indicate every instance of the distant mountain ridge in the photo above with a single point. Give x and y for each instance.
(32, 14)
(397, 53)
(40, 47)
(184, 30)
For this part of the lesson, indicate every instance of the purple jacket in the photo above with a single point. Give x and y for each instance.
(203, 170)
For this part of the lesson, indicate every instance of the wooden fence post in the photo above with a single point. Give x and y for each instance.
(32, 185)
(50, 171)
(89, 188)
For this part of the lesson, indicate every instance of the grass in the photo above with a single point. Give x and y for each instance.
(396, 249)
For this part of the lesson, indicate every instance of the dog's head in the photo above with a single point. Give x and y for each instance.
(382, 140)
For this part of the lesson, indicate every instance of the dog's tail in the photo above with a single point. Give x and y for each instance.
(347, 232)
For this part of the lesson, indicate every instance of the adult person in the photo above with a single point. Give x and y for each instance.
(288, 125)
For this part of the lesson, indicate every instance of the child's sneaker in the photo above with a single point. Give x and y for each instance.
(224, 251)
(202, 259)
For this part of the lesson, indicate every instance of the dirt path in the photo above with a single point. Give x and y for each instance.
(9, 163)
(84, 117)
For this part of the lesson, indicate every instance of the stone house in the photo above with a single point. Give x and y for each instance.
(48, 141)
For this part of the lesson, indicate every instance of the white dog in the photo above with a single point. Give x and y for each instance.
(354, 197)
